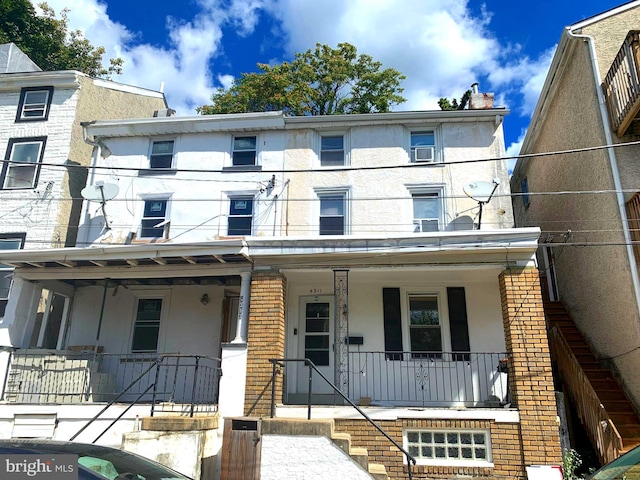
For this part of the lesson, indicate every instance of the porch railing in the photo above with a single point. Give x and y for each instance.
(595, 418)
(36, 376)
(281, 362)
(432, 379)
(621, 86)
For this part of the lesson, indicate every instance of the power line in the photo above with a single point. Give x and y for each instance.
(364, 168)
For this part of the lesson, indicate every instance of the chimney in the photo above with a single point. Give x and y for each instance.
(480, 101)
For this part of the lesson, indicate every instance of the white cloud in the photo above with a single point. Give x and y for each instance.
(183, 65)
(513, 150)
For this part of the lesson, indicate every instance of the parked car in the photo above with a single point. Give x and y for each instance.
(625, 467)
(95, 462)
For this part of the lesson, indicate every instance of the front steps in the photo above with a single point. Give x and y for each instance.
(324, 428)
(609, 391)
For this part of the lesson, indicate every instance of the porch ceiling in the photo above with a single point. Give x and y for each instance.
(223, 253)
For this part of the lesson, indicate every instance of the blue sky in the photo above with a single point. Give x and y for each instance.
(442, 46)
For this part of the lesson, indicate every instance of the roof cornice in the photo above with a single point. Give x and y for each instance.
(62, 78)
(260, 121)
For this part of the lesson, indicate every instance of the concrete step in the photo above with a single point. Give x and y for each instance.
(361, 457)
(378, 471)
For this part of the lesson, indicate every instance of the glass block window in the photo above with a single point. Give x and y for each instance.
(449, 446)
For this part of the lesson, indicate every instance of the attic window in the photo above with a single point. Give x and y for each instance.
(34, 104)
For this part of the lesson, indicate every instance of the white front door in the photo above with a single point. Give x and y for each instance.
(316, 341)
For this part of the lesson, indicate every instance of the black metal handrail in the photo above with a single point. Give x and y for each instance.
(312, 367)
(153, 387)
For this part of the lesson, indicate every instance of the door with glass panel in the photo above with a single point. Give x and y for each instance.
(316, 341)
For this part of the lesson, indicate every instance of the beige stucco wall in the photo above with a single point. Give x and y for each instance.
(96, 101)
(609, 34)
(594, 281)
(380, 199)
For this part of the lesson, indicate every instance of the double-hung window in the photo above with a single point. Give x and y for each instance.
(245, 151)
(22, 163)
(240, 215)
(425, 329)
(423, 146)
(427, 211)
(332, 151)
(161, 156)
(154, 219)
(8, 241)
(34, 104)
(333, 213)
(146, 327)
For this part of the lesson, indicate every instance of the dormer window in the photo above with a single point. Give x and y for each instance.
(34, 104)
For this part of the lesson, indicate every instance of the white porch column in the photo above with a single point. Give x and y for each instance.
(233, 380)
(20, 314)
(243, 308)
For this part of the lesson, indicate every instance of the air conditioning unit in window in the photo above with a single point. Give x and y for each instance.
(426, 225)
(424, 154)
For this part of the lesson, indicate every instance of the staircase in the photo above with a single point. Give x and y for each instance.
(610, 400)
(324, 428)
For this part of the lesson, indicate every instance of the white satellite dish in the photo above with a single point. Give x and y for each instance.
(101, 192)
(481, 192)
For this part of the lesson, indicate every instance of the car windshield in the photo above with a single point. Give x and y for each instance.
(112, 464)
(626, 467)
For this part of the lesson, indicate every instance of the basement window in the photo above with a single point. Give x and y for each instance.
(469, 448)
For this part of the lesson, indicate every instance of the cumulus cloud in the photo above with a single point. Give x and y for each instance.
(438, 44)
(182, 66)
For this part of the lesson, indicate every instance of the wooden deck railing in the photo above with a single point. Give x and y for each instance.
(633, 217)
(594, 417)
(622, 84)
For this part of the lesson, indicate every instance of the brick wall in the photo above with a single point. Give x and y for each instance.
(505, 448)
(265, 340)
(530, 377)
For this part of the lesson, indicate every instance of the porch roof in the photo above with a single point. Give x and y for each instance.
(517, 244)
(221, 252)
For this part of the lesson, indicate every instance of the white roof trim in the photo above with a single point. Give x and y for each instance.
(257, 121)
(596, 18)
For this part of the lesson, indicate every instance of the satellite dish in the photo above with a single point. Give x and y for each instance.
(100, 192)
(481, 192)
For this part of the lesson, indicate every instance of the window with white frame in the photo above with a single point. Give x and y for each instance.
(449, 447)
(22, 166)
(427, 210)
(240, 215)
(154, 219)
(146, 327)
(34, 104)
(245, 151)
(332, 151)
(425, 327)
(423, 146)
(333, 207)
(8, 241)
(161, 155)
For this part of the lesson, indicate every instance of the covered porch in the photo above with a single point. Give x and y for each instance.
(141, 324)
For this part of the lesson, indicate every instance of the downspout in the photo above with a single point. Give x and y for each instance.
(614, 167)
(94, 162)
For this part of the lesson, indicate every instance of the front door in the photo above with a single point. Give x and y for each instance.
(316, 341)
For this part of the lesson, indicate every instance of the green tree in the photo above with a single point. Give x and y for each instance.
(445, 104)
(48, 41)
(323, 81)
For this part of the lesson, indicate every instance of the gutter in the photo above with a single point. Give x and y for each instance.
(614, 166)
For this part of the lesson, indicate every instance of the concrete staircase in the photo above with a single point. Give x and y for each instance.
(608, 389)
(324, 428)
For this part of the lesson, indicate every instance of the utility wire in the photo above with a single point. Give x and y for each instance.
(229, 170)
